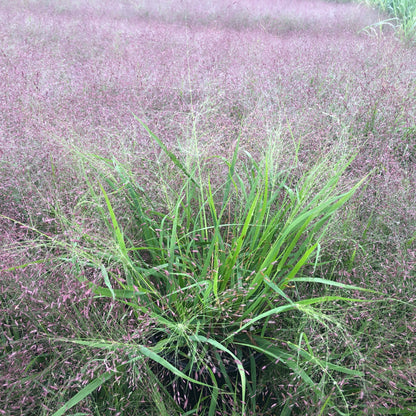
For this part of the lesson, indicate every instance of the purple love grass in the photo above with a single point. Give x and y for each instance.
(72, 73)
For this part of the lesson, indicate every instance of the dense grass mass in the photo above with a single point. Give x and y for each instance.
(402, 16)
(207, 208)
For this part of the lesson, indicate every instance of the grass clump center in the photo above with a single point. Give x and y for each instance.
(211, 280)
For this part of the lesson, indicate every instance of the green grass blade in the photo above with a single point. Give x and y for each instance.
(324, 299)
(263, 209)
(325, 365)
(331, 283)
(143, 351)
(107, 281)
(275, 353)
(277, 289)
(117, 232)
(85, 392)
(135, 200)
(171, 156)
(216, 344)
(214, 249)
(230, 180)
(261, 316)
(173, 238)
(118, 293)
(214, 396)
(232, 258)
(298, 266)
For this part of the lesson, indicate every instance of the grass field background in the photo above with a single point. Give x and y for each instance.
(207, 208)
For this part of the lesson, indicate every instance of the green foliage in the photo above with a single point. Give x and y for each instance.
(215, 273)
(404, 11)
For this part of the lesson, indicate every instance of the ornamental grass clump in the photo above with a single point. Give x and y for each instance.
(212, 283)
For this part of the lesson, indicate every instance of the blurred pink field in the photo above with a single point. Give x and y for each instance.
(75, 72)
